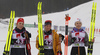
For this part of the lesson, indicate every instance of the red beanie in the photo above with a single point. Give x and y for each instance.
(48, 22)
(20, 20)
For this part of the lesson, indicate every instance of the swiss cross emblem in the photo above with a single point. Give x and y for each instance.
(77, 34)
(46, 37)
(18, 35)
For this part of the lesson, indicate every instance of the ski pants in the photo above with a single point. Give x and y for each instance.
(78, 51)
(48, 52)
(17, 51)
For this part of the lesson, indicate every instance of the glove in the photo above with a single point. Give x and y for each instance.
(73, 39)
(41, 49)
(4, 53)
(59, 53)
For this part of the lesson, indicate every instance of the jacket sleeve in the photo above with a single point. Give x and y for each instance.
(69, 39)
(86, 39)
(58, 43)
(37, 42)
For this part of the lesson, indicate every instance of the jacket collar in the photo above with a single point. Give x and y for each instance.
(75, 29)
(20, 31)
(48, 33)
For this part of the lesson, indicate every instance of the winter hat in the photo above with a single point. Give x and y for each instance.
(78, 20)
(48, 22)
(20, 20)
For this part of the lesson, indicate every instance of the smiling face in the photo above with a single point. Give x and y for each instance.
(20, 25)
(47, 27)
(78, 24)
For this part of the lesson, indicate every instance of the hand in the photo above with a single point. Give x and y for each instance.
(93, 39)
(65, 41)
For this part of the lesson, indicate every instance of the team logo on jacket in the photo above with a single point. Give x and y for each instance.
(48, 40)
(46, 37)
(77, 34)
(18, 35)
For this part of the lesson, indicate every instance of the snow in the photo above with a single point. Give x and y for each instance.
(82, 11)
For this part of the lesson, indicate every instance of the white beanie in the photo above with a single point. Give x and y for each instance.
(78, 20)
